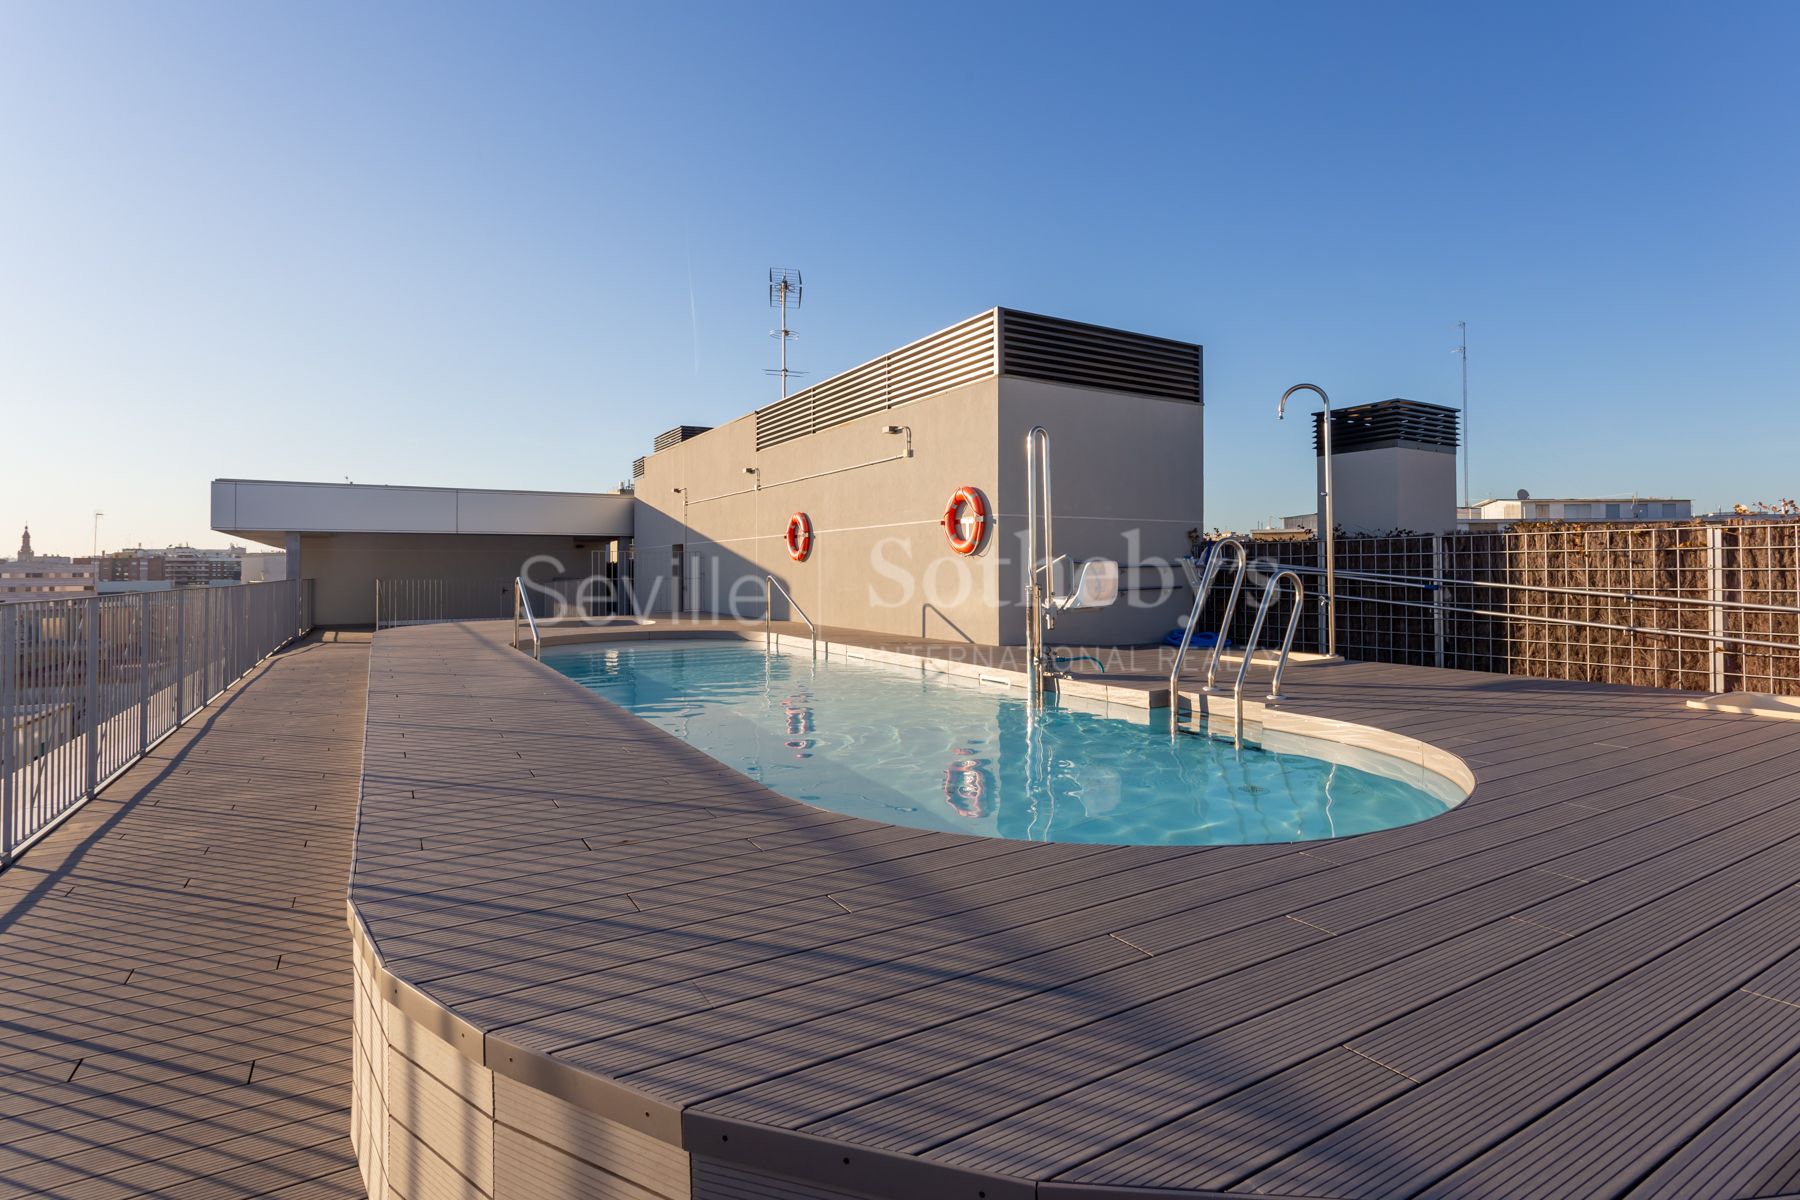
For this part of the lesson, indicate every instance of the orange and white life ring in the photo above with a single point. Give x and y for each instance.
(799, 536)
(966, 520)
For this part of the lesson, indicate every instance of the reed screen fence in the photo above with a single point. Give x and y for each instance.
(1703, 607)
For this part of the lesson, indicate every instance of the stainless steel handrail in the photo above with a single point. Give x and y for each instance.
(1201, 589)
(1287, 642)
(1231, 603)
(770, 586)
(520, 600)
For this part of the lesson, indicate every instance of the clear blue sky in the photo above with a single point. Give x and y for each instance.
(505, 245)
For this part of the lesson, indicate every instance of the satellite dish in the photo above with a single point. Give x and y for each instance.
(1524, 495)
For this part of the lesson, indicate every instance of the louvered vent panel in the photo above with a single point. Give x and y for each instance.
(1059, 351)
(1388, 423)
(637, 468)
(961, 354)
(678, 435)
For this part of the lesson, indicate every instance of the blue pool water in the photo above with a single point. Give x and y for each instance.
(887, 743)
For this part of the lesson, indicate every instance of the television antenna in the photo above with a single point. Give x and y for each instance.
(784, 288)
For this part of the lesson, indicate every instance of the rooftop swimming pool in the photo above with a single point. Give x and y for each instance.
(936, 751)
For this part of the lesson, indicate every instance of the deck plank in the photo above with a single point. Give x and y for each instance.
(176, 987)
(1336, 1018)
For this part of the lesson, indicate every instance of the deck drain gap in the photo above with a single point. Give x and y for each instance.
(1540, 925)
(1379, 1063)
(1133, 945)
(1562, 874)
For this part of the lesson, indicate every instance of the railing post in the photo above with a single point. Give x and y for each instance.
(91, 696)
(1437, 599)
(180, 655)
(10, 735)
(205, 650)
(143, 670)
(1715, 614)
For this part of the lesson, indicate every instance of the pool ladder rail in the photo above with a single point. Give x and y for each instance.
(522, 602)
(1203, 586)
(1270, 592)
(1287, 643)
(771, 585)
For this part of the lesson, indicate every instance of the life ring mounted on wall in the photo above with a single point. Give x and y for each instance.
(799, 536)
(966, 520)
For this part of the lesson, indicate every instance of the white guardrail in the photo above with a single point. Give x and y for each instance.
(88, 685)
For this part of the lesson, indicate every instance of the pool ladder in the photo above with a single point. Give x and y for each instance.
(1202, 588)
(522, 603)
(771, 585)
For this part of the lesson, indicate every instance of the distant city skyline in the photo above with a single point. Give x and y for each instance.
(462, 248)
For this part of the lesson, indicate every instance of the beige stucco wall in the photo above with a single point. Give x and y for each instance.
(1127, 486)
(865, 513)
(345, 566)
(1392, 487)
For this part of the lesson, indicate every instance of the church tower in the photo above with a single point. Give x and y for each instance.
(25, 545)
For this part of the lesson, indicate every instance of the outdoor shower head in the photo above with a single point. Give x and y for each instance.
(1281, 409)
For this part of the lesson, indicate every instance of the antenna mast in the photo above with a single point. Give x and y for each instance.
(1462, 351)
(784, 286)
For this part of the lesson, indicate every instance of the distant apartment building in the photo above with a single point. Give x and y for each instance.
(185, 566)
(181, 566)
(1492, 514)
(38, 576)
(33, 576)
(130, 566)
(1295, 528)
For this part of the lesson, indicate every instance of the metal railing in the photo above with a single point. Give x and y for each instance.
(522, 602)
(1287, 644)
(1629, 598)
(438, 601)
(1702, 607)
(433, 601)
(89, 685)
(1202, 589)
(770, 586)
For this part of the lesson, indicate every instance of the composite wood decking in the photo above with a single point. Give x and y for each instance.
(1582, 982)
(174, 967)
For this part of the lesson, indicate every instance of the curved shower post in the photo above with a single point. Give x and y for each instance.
(1037, 513)
(1287, 642)
(1327, 517)
(1202, 589)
